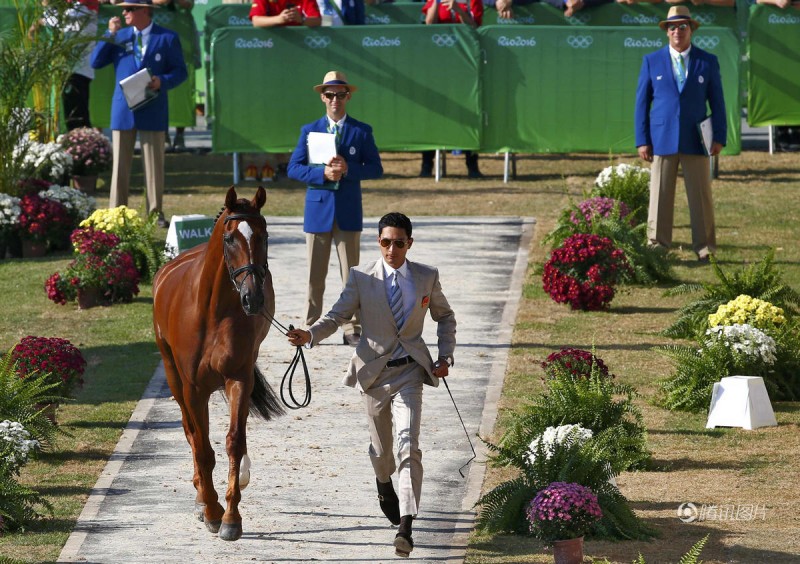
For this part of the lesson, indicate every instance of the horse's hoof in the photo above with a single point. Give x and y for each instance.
(230, 532)
(213, 526)
(200, 511)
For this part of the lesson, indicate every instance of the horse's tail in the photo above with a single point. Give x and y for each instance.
(263, 401)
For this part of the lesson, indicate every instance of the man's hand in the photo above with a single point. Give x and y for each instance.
(716, 148)
(299, 337)
(441, 368)
(290, 15)
(114, 24)
(504, 9)
(335, 169)
(572, 7)
(155, 83)
(645, 153)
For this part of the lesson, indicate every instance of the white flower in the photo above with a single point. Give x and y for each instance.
(620, 171)
(77, 203)
(9, 210)
(562, 435)
(43, 160)
(747, 340)
(14, 435)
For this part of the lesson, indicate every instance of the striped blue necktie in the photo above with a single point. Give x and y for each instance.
(396, 301)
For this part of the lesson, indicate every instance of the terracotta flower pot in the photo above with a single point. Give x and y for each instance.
(86, 184)
(33, 249)
(90, 297)
(568, 551)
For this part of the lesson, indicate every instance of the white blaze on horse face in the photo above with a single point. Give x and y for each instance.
(245, 229)
(244, 472)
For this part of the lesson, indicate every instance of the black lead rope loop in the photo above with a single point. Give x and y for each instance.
(474, 454)
(288, 378)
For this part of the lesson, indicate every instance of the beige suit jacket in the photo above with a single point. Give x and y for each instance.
(365, 291)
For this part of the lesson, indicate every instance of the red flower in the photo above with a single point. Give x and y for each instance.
(54, 356)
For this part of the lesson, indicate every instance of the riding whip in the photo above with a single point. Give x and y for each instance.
(474, 454)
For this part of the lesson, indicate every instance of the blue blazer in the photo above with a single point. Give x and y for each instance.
(353, 12)
(667, 119)
(357, 146)
(163, 57)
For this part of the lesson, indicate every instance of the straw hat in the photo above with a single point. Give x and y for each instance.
(335, 78)
(679, 14)
(136, 4)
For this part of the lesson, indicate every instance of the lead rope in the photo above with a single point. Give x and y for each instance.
(288, 376)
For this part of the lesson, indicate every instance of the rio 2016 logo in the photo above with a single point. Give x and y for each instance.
(581, 18)
(317, 42)
(517, 41)
(381, 42)
(706, 19)
(242, 43)
(580, 41)
(441, 40)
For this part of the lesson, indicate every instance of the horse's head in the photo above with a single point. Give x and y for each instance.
(244, 246)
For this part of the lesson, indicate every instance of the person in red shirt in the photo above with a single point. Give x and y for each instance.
(445, 12)
(271, 13)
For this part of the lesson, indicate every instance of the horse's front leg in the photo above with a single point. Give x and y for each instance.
(236, 444)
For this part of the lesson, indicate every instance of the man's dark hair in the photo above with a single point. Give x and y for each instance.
(395, 219)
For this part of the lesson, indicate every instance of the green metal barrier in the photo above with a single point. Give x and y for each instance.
(774, 53)
(394, 13)
(418, 85)
(558, 89)
(181, 99)
(8, 21)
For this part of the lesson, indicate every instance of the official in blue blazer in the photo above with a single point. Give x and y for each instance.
(141, 44)
(333, 199)
(342, 12)
(678, 85)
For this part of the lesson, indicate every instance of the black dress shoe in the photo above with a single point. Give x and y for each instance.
(390, 505)
(403, 543)
(161, 222)
(474, 173)
(351, 340)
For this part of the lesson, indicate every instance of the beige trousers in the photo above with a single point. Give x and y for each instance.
(319, 253)
(697, 179)
(396, 396)
(152, 142)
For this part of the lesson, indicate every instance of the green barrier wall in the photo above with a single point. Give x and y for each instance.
(774, 53)
(545, 89)
(557, 89)
(418, 84)
(8, 21)
(647, 15)
(181, 99)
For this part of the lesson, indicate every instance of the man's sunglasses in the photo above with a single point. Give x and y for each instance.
(131, 9)
(337, 95)
(399, 243)
(681, 27)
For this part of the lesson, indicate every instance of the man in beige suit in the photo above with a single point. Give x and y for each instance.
(392, 362)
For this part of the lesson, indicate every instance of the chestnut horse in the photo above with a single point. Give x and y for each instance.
(210, 308)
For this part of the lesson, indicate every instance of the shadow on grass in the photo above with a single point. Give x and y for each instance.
(657, 465)
(653, 310)
(117, 373)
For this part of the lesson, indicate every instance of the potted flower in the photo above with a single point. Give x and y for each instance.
(45, 161)
(91, 155)
(9, 221)
(42, 222)
(575, 363)
(54, 356)
(561, 514)
(583, 272)
(99, 273)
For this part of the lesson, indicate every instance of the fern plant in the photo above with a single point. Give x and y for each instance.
(759, 280)
(503, 508)
(627, 183)
(594, 402)
(690, 557)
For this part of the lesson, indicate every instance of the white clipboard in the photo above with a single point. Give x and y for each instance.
(135, 89)
(706, 134)
(321, 147)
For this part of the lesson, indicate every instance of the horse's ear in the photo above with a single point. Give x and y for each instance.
(260, 199)
(230, 198)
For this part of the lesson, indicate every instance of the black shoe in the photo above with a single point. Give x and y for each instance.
(474, 173)
(403, 543)
(390, 505)
(161, 222)
(352, 339)
(426, 172)
(179, 144)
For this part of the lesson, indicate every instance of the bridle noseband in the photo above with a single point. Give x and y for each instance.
(259, 272)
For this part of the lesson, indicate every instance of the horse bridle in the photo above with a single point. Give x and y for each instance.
(259, 272)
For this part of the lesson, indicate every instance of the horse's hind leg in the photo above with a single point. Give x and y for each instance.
(236, 446)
